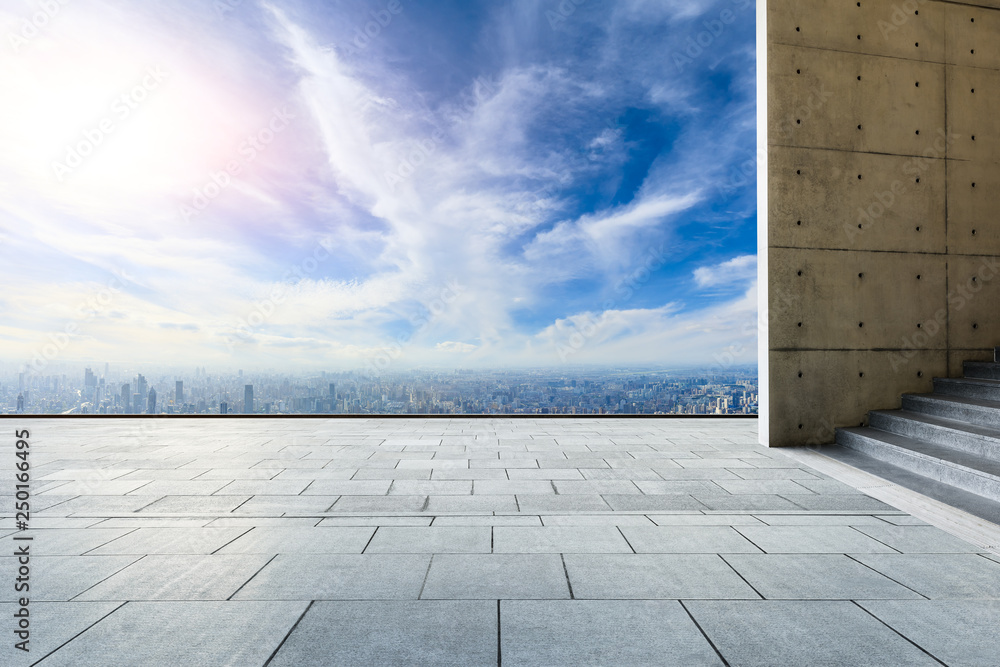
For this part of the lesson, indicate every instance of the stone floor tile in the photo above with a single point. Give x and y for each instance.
(812, 539)
(333, 487)
(939, 576)
(61, 622)
(559, 539)
(170, 541)
(779, 633)
(815, 577)
(302, 540)
(375, 521)
(268, 487)
(496, 576)
(178, 578)
(747, 502)
(652, 503)
(956, 632)
(62, 541)
(512, 487)
(615, 519)
(601, 632)
(276, 506)
(214, 633)
(654, 576)
(677, 486)
(60, 578)
(540, 504)
(338, 577)
(551, 473)
(431, 487)
(432, 540)
(614, 486)
(173, 487)
(693, 519)
(461, 633)
(475, 503)
(687, 539)
(379, 504)
(763, 487)
(918, 539)
(843, 501)
(194, 504)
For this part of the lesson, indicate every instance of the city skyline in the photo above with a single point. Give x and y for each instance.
(422, 391)
(381, 183)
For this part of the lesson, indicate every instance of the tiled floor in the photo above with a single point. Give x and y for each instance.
(473, 542)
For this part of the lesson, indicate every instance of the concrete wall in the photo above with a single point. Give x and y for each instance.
(879, 204)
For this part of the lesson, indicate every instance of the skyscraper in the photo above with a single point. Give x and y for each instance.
(179, 392)
(126, 399)
(151, 403)
(137, 403)
(89, 379)
(223, 408)
(248, 399)
(20, 404)
(141, 387)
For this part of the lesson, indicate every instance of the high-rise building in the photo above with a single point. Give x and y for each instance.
(333, 390)
(151, 402)
(141, 387)
(179, 392)
(223, 408)
(89, 379)
(137, 404)
(126, 399)
(248, 399)
(20, 404)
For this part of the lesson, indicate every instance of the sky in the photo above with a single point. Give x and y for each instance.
(378, 184)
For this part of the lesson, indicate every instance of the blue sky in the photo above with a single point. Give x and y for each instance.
(373, 184)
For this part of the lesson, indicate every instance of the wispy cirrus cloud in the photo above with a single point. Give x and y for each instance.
(533, 168)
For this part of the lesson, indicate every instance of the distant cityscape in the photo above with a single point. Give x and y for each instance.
(125, 391)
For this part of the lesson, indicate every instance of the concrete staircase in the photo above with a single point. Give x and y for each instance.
(947, 442)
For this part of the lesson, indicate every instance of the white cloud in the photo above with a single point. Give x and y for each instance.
(734, 271)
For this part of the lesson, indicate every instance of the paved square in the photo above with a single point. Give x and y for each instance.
(466, 541)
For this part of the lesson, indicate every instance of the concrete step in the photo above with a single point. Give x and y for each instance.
(981, 369)
(969, 387)
(978, 440)
(972, 503)
(969, 472)
(970, 410)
